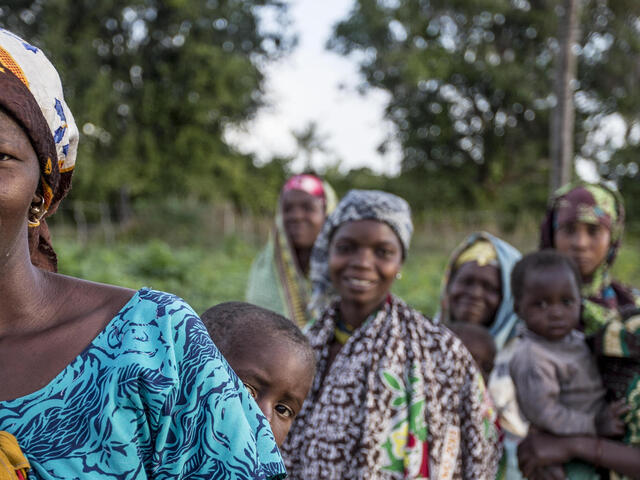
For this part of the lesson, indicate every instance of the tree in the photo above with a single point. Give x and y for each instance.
(309, 140)
(471, 87)
(563, 116)
(153, 84)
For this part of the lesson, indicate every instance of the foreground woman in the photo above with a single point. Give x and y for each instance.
(98, 381)
(278, 278)
(394, 396)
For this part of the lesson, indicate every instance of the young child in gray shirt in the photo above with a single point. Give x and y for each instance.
(557, 382)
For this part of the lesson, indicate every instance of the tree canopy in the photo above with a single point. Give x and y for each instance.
(470, 86)
(153, 84)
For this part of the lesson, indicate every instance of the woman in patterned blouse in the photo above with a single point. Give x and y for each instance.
(395, 396)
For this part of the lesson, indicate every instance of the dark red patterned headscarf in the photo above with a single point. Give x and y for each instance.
(588, 203)
(603, 298)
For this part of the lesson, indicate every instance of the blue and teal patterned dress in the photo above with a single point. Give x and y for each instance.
(150, 397)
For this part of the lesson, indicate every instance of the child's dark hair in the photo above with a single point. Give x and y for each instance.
(470, 332)
(537, 261)
(228, 324)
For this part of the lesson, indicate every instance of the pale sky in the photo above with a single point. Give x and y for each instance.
(305, 87)
(315, 85)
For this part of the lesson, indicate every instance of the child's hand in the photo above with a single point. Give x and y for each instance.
(550, 472)
(609, 422)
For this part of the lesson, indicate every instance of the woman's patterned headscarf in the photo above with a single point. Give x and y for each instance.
(597, 204)
(31, 93)
(356, 205)
(589, 203)
(603, 298)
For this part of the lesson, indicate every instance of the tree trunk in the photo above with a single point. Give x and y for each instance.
(563, 116)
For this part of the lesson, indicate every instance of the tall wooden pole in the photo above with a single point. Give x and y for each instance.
(563, 116)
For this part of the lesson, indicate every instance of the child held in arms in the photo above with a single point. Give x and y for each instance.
(558, 386)
(271, 356)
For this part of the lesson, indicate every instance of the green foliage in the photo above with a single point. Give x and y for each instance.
(207, 275)
(153, 84)
(200, 275)
(470, 84)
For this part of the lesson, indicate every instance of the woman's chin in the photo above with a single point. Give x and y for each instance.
(473, 317)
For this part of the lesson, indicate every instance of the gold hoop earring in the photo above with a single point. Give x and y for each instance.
(36, 212)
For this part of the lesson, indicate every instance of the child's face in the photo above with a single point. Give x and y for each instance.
(278, 376)
(550, 304)
(484, 355)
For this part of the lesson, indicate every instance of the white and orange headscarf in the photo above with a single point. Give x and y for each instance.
(31, 93)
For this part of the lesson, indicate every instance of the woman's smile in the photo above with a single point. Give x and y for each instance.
(356, 283)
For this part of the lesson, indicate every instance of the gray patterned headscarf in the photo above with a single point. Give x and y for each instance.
(356, 205)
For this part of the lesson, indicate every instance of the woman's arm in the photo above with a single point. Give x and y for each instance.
(541, 449)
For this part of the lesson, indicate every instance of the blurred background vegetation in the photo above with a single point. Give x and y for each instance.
(161, 198)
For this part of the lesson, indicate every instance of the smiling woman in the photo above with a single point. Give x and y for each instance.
(355, 246)
(395, 395)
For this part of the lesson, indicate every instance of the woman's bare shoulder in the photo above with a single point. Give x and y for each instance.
(85, 301)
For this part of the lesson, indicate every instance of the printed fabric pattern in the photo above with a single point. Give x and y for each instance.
(150, 397)
(401, 400)
(617, 349)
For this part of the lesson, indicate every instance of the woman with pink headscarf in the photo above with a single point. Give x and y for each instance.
(279, 275)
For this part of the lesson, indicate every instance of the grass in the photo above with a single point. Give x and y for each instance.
(205, 273)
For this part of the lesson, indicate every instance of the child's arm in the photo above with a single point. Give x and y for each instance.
(538, 390)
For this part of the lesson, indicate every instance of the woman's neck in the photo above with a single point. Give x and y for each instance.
(355, 314)
(593, 283)
(303, 256)
(23, 295)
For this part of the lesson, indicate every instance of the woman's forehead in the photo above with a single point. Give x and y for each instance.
(10, 129)
(366, 230)
(475, 270)
(299, 196)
